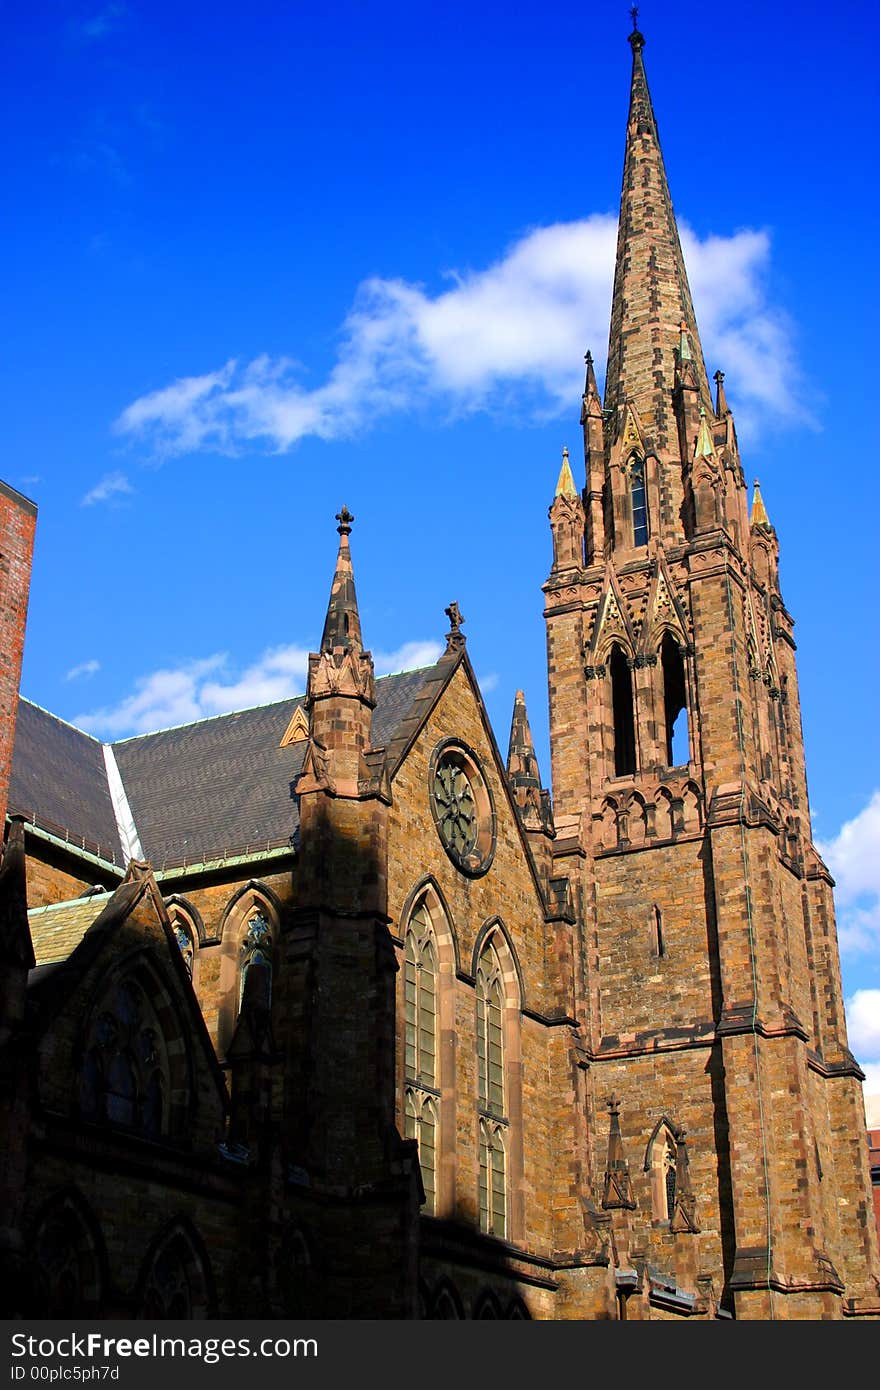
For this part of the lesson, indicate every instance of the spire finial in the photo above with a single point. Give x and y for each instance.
(759, 515)
(590, 383)
(721, 406)
(565, 482)
(636, 39)
(342, 625)
(455, 638)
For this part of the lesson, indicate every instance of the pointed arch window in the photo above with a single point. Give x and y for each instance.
(67, 1259)
(185, 944)
(493, 1178)
(674, 702)
(256, 949)
(494, 1125)
(490, 1033)
(421, 1093)
(124, 1077)
(623, 712)
(177, 1281)
(638, 500)
(663, 1169)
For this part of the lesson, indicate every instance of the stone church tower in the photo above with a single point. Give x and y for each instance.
(710, 981)
(321, 1009)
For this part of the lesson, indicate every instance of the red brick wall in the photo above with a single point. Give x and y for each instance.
(18, 519)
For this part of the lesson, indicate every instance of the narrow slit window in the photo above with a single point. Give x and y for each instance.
(639, 501)
(624, 721)
(659, 944)
(675, 704)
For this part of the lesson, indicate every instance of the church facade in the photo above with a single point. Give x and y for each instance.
(326, 1009)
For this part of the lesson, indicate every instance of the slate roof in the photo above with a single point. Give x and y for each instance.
(204, 791)
(58, 780)
(57, 930)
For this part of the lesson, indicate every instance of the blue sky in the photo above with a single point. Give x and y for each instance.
(262, 262)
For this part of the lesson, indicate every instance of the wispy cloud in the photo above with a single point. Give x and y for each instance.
(210, 686)
(106, 21)
(863, 1032)
(515, 331)
(86, 668)
(111, 485)
(853, 857)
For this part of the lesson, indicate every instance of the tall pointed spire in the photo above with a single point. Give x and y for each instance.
(759, 515)
(342, 625)
(532, 801)
(652, 298)
(565, 483)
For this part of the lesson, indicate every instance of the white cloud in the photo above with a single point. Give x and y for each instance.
(105, 22)
(853, 857)
(200, 689)
(111, 485)
(863, 1022)
(516, 331)
(408, 657)
(159, 701)
(86, 668)
(871, 1088)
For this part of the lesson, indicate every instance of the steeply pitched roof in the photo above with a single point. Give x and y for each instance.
(57, 930)
(58, 780)
(201, 792)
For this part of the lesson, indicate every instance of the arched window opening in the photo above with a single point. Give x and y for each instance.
(675, 703)
(421, 1125)
(491, 1094)
(624, 719)
(486, 1307)
(663, 1173)
(256, 949)
(657, 921)
(67, 1277)
(447, 1306)
(490, 1034)
(638, 500)
(421, 1093)
(176, 1285)
(124, 1073)
(185, 944)
(493, 1179)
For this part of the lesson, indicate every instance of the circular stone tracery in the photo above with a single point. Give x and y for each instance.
(462, 808)
(456, 808)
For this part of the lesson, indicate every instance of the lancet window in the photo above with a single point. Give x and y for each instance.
(256, 949)
(638, 500)
(124, 1075)
(494, 1124)
(421, 1079)
(623, 712)
(674, 702)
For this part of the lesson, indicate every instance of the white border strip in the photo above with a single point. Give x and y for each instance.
(128, 835)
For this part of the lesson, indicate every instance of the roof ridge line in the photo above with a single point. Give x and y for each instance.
(58, 719)
(71, 902)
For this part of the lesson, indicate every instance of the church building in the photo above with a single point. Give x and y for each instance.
(327, 1009)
